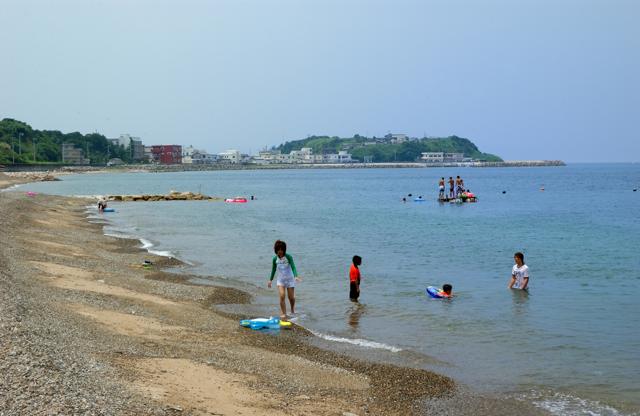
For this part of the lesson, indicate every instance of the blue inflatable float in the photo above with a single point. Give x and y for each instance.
(265, 323)
(436, 292)
(108, 210)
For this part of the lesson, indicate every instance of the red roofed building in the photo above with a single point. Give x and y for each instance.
(166, 154)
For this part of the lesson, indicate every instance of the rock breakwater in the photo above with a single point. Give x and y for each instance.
(171, 196)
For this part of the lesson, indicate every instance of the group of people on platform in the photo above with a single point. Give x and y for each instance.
(456, 190)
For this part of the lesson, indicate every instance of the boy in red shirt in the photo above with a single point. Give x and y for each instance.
(354, 279)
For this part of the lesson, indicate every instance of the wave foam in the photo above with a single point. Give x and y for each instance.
(568, 405)
(10, 188)
(146, 244)
(161, 253)
(359, 342)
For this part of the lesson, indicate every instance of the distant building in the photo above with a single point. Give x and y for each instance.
(396, 138)
(137, 150)
(267, 157)
(230, 156)
(166, 154)
(204, 158)
(124, 140)
(187, 154)
(73, 155)
(133, 144)
(441, 157)
(148, 155)
(432, 157)
(341, 157)
(454, 157)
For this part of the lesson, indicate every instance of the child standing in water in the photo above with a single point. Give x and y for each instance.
(354, 279)
(285, 268)
(519, 273)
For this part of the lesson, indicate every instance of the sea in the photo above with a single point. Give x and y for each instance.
(569, 345)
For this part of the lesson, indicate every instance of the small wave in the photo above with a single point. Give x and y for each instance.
(11, 188)
(568, 405)
(117, 234)
(161, 253)
(359, 342)
(146, 244)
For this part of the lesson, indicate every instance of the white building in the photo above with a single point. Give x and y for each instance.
(454, 157)
(305, 155)
(124, 140)
(432, 157)
(230, 156)
(341, 157)
(191, 155)
(399, 138)
(441, 157)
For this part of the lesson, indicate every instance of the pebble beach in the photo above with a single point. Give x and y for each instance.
(86, 329)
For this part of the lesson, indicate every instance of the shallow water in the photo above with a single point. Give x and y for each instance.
(571, 344)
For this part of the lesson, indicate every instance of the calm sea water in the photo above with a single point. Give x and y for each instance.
(571, 344)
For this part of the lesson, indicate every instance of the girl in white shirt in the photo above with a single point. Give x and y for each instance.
(519, 273)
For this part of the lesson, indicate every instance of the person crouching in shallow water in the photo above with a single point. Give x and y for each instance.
(285, 269)
(102, 204)
(519, 273)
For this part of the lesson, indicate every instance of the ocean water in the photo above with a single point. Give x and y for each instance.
(570, 345)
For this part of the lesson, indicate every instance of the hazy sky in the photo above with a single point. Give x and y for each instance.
(523, 79)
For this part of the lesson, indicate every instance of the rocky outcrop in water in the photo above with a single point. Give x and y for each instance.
(33, 176)
(171, 196)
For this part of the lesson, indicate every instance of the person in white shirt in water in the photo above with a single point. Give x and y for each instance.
(519, 273)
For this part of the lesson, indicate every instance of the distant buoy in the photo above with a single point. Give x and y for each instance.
(504, 192)
(409, 195)
(634, 190)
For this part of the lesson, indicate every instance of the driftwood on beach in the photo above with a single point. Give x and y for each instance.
(171, 196)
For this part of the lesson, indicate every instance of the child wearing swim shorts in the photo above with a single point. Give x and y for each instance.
(285, 269)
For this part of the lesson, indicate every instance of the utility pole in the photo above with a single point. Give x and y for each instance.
(34, 149)
(13, 149)
(20, 143)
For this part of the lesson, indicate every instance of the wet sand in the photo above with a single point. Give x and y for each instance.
(86, 329)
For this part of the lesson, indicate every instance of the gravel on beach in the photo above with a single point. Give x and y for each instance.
(82, 325)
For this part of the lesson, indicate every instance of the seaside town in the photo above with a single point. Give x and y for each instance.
(175, 154)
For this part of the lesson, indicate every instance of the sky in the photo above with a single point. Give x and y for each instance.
(523, 79)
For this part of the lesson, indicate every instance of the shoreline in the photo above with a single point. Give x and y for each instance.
(137, 341)
(70, 169)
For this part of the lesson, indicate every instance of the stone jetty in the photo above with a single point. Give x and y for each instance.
(32, 176)
(171, 196)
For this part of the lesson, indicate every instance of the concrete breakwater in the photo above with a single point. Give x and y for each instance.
(171, 196)
(519, 163)
(187, 167)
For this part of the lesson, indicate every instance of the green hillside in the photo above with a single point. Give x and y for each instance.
(18, 141)
(382, 150)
